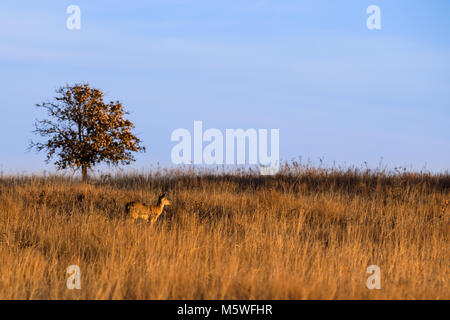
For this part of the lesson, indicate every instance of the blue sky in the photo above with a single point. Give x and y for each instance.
(312, 69)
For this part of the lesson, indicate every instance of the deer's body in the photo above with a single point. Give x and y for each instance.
(138, 210)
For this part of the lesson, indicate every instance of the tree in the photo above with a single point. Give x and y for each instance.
(84, 131)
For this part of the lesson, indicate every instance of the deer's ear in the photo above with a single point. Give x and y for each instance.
(162, 195)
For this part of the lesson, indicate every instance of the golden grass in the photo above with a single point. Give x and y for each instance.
(305, 234)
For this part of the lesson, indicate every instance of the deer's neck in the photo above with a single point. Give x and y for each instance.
(160, 208)
(158, 213)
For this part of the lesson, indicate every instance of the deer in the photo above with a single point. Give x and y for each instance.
(137, 210)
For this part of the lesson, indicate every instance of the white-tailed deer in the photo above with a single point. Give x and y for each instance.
(138, 210)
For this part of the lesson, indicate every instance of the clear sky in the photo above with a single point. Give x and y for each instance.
(312, 69)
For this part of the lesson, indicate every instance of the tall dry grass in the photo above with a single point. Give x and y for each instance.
(304, 234)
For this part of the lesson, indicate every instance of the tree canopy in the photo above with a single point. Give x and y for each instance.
(83, 130)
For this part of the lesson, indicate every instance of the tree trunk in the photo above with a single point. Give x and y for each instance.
(84, 172)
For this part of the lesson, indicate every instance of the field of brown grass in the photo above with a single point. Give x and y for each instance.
(304, 234)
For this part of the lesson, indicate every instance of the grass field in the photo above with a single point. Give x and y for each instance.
(303, 234)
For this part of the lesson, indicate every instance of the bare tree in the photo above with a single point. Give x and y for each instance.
(84, 131)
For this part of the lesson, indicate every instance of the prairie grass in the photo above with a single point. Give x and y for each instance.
(305, 233)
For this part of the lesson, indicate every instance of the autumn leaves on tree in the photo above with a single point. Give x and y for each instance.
(84, 131)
